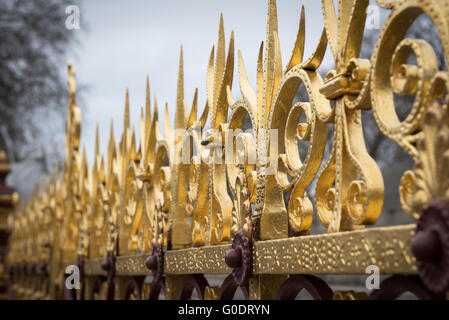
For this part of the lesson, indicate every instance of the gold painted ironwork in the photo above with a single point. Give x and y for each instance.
(341, 253)
(189, 190)
(208, 260)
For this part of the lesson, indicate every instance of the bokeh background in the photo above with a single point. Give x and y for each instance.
(119, 43)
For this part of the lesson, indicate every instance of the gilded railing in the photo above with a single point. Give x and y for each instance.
(231, 195)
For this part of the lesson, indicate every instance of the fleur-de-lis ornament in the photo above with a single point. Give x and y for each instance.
(138, 208)
(350, 188)
(216, 217)
(276, 156)
(171, 224)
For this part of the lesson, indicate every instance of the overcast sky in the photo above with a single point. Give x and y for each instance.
(128, 40)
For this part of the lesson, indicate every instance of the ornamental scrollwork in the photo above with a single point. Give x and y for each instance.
(235, 186)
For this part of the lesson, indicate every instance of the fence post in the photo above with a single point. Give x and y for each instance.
(8, 199)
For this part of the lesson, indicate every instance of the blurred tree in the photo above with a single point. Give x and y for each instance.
(33, 45)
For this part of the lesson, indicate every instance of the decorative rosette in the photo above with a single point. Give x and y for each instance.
(107, 264)
(239, 258)
(155, 263)
(431, 246)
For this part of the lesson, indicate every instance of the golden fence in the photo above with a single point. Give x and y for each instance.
(200, 199)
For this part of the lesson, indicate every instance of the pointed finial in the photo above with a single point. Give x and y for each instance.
(147, 102)
(260, 76)
(132, 146)
(193, 112)
(127, 123)
(270, 55)
(210, 85)
(144, 131)
(204, 116)
(272, 23)
(220, 60)
(111, 143)
(180, 114)
(101, 170)
(71, 84)
(111, 129)
(245, 87)
(97, 141)
(298, 50)
(167, 124)
(111, 152)
(155, 111)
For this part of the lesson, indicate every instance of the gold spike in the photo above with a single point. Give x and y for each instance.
(147, 113)
(156, 121)
(332, 26)
(345, 14)
(159, 135)
(220, 60)
(101, 170)
(260, 82)
(97, 141)
(245, 87)
(193, 113)
(272, 28)
(186, 113)
(71, 85)
(147, 102)
(139, 154)
(231, 99)
(152, 138)
(84, 162)
(154, 127)
(97, 158)
(204, 116)
(352, 37)
(272, 23)
(277, 69)
(167, 126)
(298, 50)
(144, 132)
(317, 56)
(150, 151)
(132, 154)
(127, 123)
(111, 152)
(221, 113)
(155, 111)
(180, 114)
(210, 77)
